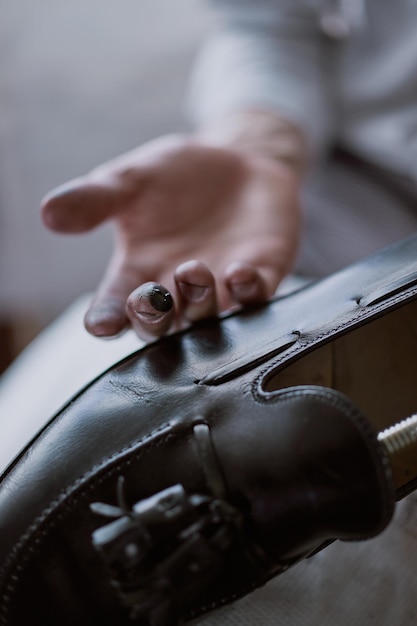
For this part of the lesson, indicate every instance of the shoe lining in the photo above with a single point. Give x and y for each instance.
(375, 365)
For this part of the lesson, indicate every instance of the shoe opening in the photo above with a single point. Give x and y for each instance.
(375, 365)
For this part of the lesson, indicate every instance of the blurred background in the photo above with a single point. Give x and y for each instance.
(80, 82)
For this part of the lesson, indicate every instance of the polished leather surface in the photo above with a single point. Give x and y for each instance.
(136, 420)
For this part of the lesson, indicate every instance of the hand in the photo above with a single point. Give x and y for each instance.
(215, 226)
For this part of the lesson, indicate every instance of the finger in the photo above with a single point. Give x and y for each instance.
(106, 319)
(107, 316)
(248, 284)
(151, 310)
(196, 287)
(85, 202)
(82, 204)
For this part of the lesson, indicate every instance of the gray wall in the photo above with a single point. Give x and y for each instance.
(80, 82)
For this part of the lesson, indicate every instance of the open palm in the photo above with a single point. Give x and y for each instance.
(186, 215)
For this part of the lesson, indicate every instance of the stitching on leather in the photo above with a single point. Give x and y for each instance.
(31, 538)
(257, 391)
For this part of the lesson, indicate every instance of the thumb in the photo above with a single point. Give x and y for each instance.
(82, 204)
(87, 201)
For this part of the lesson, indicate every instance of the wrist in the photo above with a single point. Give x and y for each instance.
(262, 134)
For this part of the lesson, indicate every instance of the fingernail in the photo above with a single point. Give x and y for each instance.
(194, 293)
(152, 300)
(160, 298)
(106, 320)
(244, 289)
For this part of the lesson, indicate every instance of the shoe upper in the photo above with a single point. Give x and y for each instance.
(260, 479)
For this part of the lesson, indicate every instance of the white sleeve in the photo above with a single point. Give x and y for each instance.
(266, 54)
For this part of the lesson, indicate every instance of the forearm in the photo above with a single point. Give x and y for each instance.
(263, 74)
(263, 133)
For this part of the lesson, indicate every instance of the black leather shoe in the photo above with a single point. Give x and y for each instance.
(212, 460)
